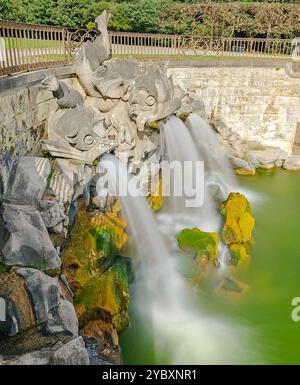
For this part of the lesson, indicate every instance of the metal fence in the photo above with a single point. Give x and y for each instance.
(27, 46)
(151, 44)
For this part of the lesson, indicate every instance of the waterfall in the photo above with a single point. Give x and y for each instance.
(182, 334)
(213, 153)
(180, 147)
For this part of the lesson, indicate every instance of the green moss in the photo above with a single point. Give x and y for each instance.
(4, 268)
(239, 221)
(199, 242)
(230, 285)
(108, 292)
(238, 226)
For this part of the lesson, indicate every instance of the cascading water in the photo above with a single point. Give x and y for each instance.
(181, 333)
(213, 153)
(180, 147)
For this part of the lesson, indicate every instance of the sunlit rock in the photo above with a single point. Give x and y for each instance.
(199, 242)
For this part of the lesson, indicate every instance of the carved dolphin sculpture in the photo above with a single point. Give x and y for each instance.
(66, 96)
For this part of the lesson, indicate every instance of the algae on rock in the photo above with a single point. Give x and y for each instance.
(238, 226)
(97, 274)
(199, 242)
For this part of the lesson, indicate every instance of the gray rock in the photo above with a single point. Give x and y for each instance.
(292, 163)
(50, 308)
(54, 216)
(264, 157)
(44, 292)
(240, 163)
(63, 319)
(28, 179)
(37, 357)
(9, 325)
(72, 353)
(24, 238)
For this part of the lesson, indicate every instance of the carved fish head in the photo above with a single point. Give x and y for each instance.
(50, 83)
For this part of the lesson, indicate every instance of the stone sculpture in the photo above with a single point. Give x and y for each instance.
(122, 98)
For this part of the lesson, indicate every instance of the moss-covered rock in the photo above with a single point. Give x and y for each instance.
(95, 240)
(239, 221)
(108, 294)
(199, 242)
(238, 226)
(239, 253)
(244, 171)
(96, 272)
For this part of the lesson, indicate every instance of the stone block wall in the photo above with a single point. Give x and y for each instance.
(25, 108)
(259, 102)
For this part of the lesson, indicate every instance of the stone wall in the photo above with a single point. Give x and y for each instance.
(25, 108)
(256, 99)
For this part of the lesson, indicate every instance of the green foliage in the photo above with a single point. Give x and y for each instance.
(218, 18)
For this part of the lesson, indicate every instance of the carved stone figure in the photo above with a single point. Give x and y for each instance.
(66, 96)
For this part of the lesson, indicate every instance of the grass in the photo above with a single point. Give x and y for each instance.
(12, 43)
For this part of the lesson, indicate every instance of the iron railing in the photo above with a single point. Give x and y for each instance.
(124, 43)
(28, 46)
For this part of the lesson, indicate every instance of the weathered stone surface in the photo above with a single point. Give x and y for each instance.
(258, 100)
(37, 357)
(49, 306)
(72, 353)
(18, 314)
(28, 179)
(54, 216)
(292, 163)
(238, 163)
(66, 97)
(24, 238)
(265, 157)
(62, 319)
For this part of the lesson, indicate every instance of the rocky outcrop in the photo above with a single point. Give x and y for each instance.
(203, 245)
(292, 163)
(49, 306)
(238, 226)
(71, 353)
(24, 238)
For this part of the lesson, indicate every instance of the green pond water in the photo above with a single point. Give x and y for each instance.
(272, 279)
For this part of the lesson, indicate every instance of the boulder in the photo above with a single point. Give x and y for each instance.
(62, 319)
(28, 179)
(265, 157)
(239, 221)
(238, 226)
(72, 353)
(199, 242)
(292, 163)
(24, 238)
(37, 357)
(49, 306)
